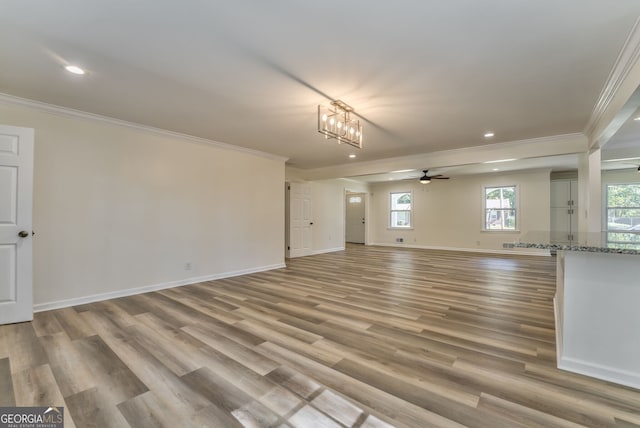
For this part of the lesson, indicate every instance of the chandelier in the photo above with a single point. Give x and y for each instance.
(335, 121)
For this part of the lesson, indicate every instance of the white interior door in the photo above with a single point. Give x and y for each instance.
(300, 221)
(16, 193)
(355, 220)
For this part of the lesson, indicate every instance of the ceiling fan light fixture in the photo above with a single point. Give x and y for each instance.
(336, 121)
(426, 178)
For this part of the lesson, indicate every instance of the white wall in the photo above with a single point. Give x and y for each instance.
(620, 176)
(118, 208)
(448, 214)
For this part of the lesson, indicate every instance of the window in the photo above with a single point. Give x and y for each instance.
(500, 208)
(355, 199)
(400, 210)
(623, 214)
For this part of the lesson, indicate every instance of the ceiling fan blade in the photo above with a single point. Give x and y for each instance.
(435, 176)
(439, 178)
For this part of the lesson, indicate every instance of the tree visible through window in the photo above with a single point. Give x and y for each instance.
(623, 214)
(400, 210)
(500, 208)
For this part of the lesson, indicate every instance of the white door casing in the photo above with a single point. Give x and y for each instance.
(16, 194)
(300, 219)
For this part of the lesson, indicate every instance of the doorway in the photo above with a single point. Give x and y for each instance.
(355, 221)
(298, 212)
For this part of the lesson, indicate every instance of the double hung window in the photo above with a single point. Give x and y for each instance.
(623, 214)
(400, 210)
(500, 208)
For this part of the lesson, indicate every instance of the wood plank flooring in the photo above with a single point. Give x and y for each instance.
(367, 337)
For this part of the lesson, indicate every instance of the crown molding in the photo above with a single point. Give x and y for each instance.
(69, 112)
(620, 81)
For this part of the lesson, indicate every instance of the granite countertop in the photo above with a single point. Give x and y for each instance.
(612, 242)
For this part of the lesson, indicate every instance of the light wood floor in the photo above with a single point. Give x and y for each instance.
(368, 337)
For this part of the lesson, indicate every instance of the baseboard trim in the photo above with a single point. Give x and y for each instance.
(598, 371)
(542, 253)
(328, 250)
(148, 288)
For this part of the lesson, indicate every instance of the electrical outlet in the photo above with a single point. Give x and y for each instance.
(399, 239)
(187, 266)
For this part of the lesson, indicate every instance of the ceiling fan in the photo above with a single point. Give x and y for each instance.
(426, 179)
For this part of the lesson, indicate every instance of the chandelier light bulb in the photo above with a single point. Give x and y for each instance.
(335, 121)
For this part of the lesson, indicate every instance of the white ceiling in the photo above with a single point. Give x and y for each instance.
(425, 75)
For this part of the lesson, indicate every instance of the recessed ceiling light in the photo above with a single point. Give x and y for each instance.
(352, 156)
(637, 118)
(489, 135)
(496, 169)
(74, 69)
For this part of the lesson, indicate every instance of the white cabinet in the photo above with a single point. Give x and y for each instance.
(564, 210)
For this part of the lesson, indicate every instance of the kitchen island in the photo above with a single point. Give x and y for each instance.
(597, 303)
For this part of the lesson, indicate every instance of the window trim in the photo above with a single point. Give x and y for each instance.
(483, 228)
(605, 208)
(390, 211)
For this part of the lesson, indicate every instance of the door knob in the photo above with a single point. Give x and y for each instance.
(23, 234)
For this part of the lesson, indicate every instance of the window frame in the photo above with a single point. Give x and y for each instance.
(516, 208)
(610, 233)
(390, 211)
